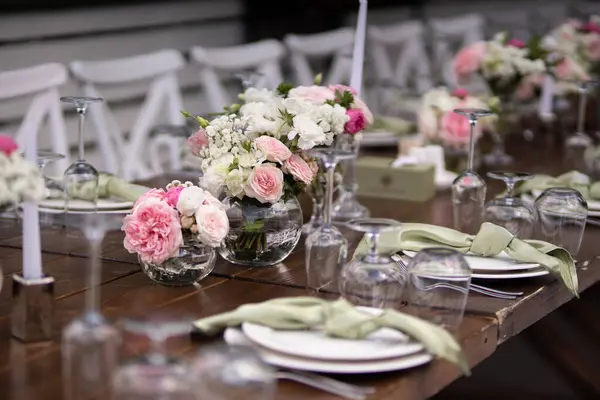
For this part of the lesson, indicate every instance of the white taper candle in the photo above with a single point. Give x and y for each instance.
(546, 97)
(32, 254)
(358, 56)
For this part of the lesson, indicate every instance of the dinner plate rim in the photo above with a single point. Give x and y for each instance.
(116, 206)
(516, 267)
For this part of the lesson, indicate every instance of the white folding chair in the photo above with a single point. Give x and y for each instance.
(220, 64)
(335, 44)
(128, 158)
(41, 81)
(449, 36)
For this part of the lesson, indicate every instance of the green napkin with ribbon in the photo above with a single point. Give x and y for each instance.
(338, 319)
(109, 186)
(574, 180)
(490, 241)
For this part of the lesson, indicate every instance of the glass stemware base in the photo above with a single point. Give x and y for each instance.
(326, 253)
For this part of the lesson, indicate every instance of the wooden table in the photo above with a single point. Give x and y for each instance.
(32, 371)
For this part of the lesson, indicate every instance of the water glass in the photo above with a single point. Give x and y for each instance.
(438, 286)
(562, 214)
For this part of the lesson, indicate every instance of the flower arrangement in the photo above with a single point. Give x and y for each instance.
(19, 179)
(578, 42)
(160, 220)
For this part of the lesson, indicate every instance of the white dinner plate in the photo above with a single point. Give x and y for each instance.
(82, 205)
(501, 262)
(514, 275)
(592, 204)
(379, 138)
(60, 211)
(384, 343)
(236, 337)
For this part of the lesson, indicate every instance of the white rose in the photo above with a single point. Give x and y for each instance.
(213, 225)
(310, 134)
(190, 199)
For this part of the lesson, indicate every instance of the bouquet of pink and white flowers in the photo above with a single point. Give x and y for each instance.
(160, 220)
(20, 180)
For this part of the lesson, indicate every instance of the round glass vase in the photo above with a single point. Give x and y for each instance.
(261, 234)
(194, 262)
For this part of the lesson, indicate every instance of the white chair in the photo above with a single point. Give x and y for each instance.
(42, 82)
(128, 158)
(220, 64)
(337, 44)
(449, 36)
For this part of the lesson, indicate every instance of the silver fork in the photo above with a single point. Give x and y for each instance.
(326, 384)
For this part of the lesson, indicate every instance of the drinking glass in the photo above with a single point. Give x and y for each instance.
(224, 372)
(509, 211)
(317, 194)
(326, 247)
(562, 214)
(90, 343)
(155, 375)
(54, 189)
(373, 279)
(580, 138)
(468, 189)
(346, 206)
(437, 286)
(80, 176)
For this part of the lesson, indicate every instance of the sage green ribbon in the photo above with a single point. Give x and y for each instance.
(490, 241)
(574, 180)
(338, 319)
(108, 186)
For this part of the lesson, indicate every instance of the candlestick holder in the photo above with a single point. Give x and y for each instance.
(32, 308)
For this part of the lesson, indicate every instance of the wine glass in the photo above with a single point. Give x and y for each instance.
(53, 188)
(468, 189)
(80, 175)
(373, 279)
(562, 214)
(326, 247)
(509, 211)
(90, 343)
(437, 286)
(226, 372)
(155, 375)
(580, 138)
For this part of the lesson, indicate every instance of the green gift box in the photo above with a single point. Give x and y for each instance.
(376, 177)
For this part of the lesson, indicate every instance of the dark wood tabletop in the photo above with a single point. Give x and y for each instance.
(32, 371)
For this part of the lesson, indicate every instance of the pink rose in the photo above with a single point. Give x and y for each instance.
(591, 27)
(158, 194)
(314, 167)
(198, 141)
(315, 94)
(461, 93)
(7, 145)
(516, 43)
(153, 231)
(213, 225)
(273, 149)
(455, 129)
(468, 60)
(593, 47)
(173, 195)
(568, 69)
(526, 89)
(356, 121)
(300, 169)
(360, 105)
(265, 183)
(342, 89)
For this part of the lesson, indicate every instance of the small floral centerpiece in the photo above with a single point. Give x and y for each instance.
(174, 232)
(20, 180)
(256, 154)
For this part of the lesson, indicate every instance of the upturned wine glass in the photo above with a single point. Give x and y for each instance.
(53, 187)
(468, 189)
(580, 138)
(326, 247)
(373, 279)
(509, 211)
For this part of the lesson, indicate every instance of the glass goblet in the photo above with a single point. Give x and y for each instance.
(562, 214)
(224, 372)
(580, 138)
(326, 247)
(468, 189)
(437, 286)
(373, 279)
(155, 375)
(509, 211)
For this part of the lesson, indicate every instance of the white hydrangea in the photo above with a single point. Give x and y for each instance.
(505, 63)
(19, 180)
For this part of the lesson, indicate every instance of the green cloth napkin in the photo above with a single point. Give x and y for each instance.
(395, 125)
(338, 319)
(574, 180)
(490, 241)
(110, 186)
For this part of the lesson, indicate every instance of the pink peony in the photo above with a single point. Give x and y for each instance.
(300, 169)
(273, 149)
(314, 94)
(360, 105)
(356, 121)
(468, 60)
(461, 93)
(213, 225)
(158, 194)
(198, 141)
(7, 145)
(455, 129)
(153, 231)
(518, 43)
(342, 89)
(265, 183)
(173, 195)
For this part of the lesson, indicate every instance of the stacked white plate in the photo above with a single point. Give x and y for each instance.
(104, 206)
(500, 267)
(311, 350)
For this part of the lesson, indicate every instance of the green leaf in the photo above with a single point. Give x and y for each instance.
(234, 165)
(284, 88)
(318, 79)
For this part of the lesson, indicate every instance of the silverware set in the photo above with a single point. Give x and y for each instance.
(330, 385)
